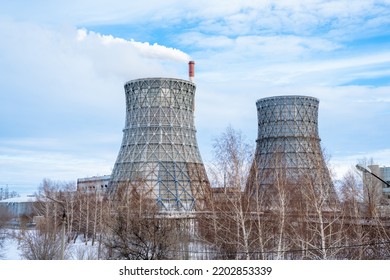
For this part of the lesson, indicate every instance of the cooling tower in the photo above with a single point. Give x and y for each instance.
(159, 144)
(288, 144)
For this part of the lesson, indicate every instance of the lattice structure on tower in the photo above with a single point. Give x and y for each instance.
(288, 144)
(159, 144)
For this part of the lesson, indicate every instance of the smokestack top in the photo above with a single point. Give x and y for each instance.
(191, 70)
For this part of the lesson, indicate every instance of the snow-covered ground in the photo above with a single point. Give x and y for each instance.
(74, 251)
(10, 249)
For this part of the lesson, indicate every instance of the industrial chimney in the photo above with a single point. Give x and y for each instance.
(159, 146)
(191, 70)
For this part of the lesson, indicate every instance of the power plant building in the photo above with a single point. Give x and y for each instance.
(93, 184)
(159, 146)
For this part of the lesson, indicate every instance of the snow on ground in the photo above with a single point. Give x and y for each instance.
(75, 251)
(10, 250)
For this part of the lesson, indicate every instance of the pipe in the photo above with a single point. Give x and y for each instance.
(191, 70)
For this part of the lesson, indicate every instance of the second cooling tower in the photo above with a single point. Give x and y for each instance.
(288, 144)
(159, 144)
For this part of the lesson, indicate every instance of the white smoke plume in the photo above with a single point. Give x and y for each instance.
(154, 51)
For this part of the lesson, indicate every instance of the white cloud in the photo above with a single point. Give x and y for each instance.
(260, 46)
(221, 16)
(24, 169)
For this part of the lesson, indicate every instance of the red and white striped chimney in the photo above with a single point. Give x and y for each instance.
(191, 70)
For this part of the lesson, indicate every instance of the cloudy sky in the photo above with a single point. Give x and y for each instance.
(63, 65)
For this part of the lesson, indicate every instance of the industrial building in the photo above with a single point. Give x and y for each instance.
(384, 173)
(376, 183)
(20, 210)
(93, 184)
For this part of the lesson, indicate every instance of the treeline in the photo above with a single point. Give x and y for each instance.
(307, 218)
(5, 193)
(287, 220)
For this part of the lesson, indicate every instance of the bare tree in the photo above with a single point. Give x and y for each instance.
(367, 232)
(40, 245)
(137, 229)
(48, 240)
(5, 216)
(71, 213)
(321, 221)
(226, 227)
(372, 189)
(351, 195)
(6, 193)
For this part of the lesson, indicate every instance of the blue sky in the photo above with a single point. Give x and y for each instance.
(63, 65)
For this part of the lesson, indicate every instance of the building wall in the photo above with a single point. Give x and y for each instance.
(19, 206)
(382, 190)
(385, 172)
(92, 184)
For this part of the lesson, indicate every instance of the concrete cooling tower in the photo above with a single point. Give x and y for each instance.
(288, 144)
(159, 144)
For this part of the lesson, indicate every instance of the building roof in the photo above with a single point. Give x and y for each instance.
(20, 199)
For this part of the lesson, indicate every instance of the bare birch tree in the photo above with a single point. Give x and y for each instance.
(227, 226)
(368, 232)
(40, 245)
(48, 240)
